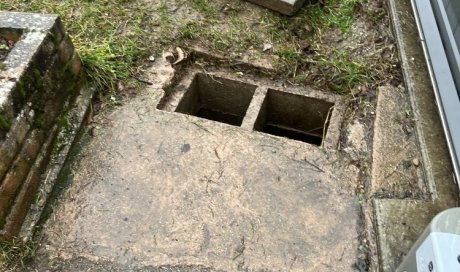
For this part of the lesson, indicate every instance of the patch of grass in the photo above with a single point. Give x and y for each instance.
(113, 42)
(108, 34)
(204, 7)
(334, 13)
(343, 72)
(190, 30)
(4, 123)
(15, 254)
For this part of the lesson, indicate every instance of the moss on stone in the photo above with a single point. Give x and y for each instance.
(4, 123)
(39, 122)
(21, 89)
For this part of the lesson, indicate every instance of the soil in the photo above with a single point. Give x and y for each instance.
(5, 48)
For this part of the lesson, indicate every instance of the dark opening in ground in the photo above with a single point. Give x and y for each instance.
(294, 116)
(218, 99)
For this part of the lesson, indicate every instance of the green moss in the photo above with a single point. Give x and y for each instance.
(4, 123)
(20, 88)
(63, 121)
(39, 122)
(38, 79)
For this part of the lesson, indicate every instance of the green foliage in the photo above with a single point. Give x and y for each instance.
(4, 123)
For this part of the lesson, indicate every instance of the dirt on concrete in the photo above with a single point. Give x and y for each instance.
(161, 189)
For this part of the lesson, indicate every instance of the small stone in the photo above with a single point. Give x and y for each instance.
(185, 148)
(151, 58)
(416, 162)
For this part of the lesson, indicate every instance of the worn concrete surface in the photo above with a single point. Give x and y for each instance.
(288, 7)
(156, 188)
(396, 171)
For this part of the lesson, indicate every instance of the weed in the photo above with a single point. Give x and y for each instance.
(334, 13)
(344, 72)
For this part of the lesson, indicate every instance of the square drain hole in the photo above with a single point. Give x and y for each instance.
(218, 99)
(294, 116)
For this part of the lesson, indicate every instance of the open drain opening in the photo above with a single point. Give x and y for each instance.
(294, 116)
(218, 99)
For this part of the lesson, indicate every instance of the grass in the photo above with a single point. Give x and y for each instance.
(336, 13)
(109, 40)
(15, 254)
(113, 42)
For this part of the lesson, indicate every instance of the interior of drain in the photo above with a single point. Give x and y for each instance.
(294, 116)
(218, 99)
(284, 113)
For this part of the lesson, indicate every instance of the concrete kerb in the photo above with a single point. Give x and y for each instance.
(399, 222)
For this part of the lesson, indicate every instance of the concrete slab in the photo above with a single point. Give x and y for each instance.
(288, 7)
(162, 189)
(399, 175)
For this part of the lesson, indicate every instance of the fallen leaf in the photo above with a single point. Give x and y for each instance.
(180, 55)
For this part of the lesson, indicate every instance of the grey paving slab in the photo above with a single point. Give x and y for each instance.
(288, 7)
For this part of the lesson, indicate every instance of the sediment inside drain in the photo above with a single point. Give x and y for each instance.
(218, 116)
(294, 134)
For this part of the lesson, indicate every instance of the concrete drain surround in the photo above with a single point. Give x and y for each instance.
(159, 189)
(40, 81)
(217, 99)
(296, 115)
